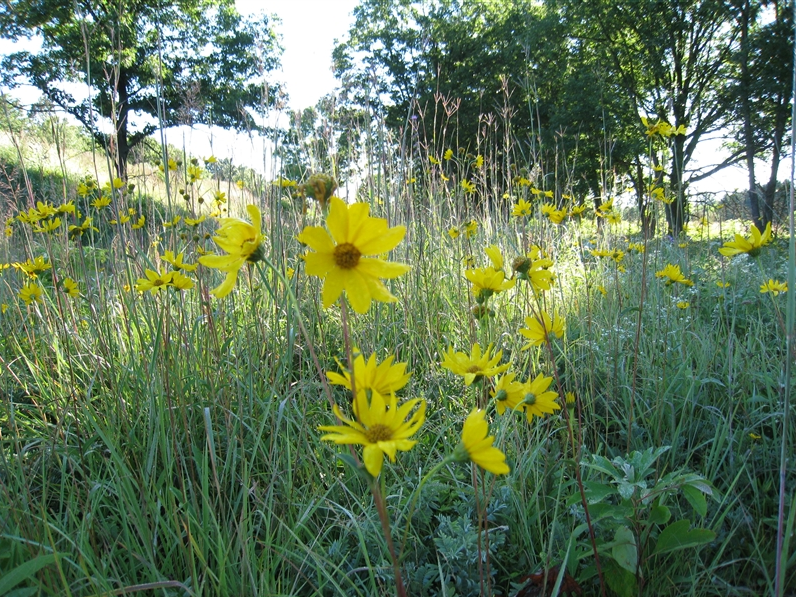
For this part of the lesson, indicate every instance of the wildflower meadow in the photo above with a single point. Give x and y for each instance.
(457, 375)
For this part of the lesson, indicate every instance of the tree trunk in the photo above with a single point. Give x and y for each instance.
(122, 121)
(746, 113)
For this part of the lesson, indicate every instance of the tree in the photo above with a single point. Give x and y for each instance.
(144, 64)
(670, 58)
(760, 97)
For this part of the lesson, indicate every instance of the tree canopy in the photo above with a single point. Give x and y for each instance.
(137, 65)
(570, 83)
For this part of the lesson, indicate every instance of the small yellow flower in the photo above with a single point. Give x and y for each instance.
(139, 223)
(683, 305)
(100, 202)
(177, 262)
(470, 228)
(381, 426)
(448, 154)
(290, 272)
(755, 437)
(751, 246)
(507, 393)
(454, 232)
(180, 281)
(479, 161)
(570, 397)
(69, 286)
(194, 222)
(154, 281)
(672, 274)
(384, 378)
(537, 400)
(3, 308)
(173, 222)
(31, 293)
(540, 327)
(721, 284)
(522, 209)
(774, 287)
(475, 366)
(239, 184)
(476, 445)
(468, 187)
(243, 242)
(602, 290)
(433, 160)
(487, 281)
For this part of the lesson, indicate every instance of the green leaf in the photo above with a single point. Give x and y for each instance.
(680, 535)
(624, 551)
(660, 514)
(696, 498)
(24, 572)
(596, 492)
(359, 469)
(621, 581)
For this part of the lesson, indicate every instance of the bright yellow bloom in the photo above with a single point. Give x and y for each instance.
(454, 232)
(69, 286)
(534, 268)
(290, 272)
(243, 242)
(507, 392)
(180, 281)
(384, 378)
(470, 228)
(177, 262)
(540, 327)
(381, 426)
(31, 293)
(522, 208)
(173, 222)
(48, 226)
(101, 202)
(537, 400)
(31, 267)
(751, 246)
(477, 447)
(340, 257)
(468, 187)
(139, 223)
(673, 275)
(683, 305)
(479, 161)
(774, 287)
(448, 154)
(192, 222)
(721, 284)
(154, 281)
(487, 281)
(475, 366)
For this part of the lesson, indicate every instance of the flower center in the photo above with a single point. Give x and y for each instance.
(378, 433)
(346, 256)
(473, 369)
(158, 282)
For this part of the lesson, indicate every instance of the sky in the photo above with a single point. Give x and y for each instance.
(308, 29)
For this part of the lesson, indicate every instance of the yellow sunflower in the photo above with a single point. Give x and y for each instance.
(340, 257)
(477, 447)
(243, 243)
(381, 426)
(474, 366)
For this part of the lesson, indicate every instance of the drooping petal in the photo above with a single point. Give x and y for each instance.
(332, 289)
(319, 264)
(226, 286)
(373, 457)
(357, 291)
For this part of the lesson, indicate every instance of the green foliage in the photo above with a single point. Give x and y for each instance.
(179, 63)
